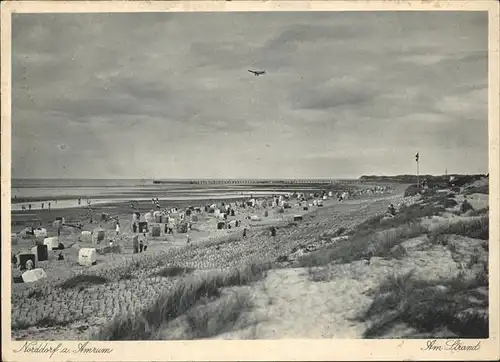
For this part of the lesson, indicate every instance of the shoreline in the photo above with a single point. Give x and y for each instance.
(160, 194)
(123, 210)
(153, 191)
(46, 216)
(108, 202)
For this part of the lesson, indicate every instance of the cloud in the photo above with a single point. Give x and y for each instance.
(169, 95)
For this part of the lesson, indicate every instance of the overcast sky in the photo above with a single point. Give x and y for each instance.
(168, 95)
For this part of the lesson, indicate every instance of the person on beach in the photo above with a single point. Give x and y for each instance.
(136, 244)
(49, 205)
(117, 227)
(273, 231)
(29, 206)
(29, 264)
(42, 205)
(245, 232)
(188, 239)
(141, 245)
(391, 210)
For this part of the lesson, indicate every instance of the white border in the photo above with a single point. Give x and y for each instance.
(265, 349)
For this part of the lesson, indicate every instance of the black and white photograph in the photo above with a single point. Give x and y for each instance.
(250, 175)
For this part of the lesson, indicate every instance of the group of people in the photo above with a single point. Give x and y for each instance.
(80, 201)
(49, 204)
(23, 207)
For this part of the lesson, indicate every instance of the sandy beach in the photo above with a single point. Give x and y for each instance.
(348, 246)
(204, 235)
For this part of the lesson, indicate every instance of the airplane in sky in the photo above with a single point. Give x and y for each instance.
(257, 72)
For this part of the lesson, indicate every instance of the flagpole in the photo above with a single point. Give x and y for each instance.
(418, 183)
(417, 158)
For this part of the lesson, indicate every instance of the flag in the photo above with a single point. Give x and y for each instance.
(416, 157)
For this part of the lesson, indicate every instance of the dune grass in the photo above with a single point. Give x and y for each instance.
(45, 322)
(407, 215)
(51, 322)
(173, 271)
(361, 246)
(429, 307)
(484, 189)
(479, 212)
(218, 240)
(477, 228)
(377, 236)
(36, 294)
(115, 249)
(413, 213)
(319, 274)
(82, 281)
(449, 202)
(213, 318)
(186, 294)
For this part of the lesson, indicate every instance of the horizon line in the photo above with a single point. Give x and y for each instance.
(241, 178)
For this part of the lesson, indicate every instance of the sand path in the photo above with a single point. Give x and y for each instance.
(288, 305)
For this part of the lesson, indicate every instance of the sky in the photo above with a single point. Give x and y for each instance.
(169, 95)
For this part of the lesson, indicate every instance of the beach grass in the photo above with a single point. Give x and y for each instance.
(186, 294)
(476, 228)
(173, 271)
(429, 307)
(210, 319)
(362, 246)
(82, 281)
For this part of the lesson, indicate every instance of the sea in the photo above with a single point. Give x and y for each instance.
(37, 194)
